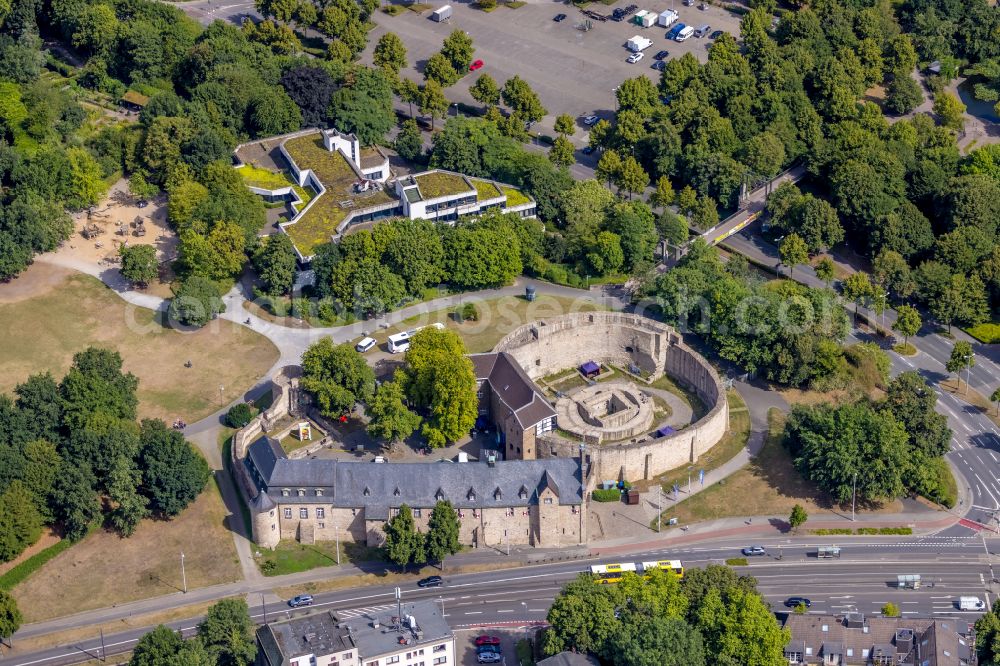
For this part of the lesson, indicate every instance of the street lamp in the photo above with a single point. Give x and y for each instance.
(689, 479)
(968, 371)
(854, 494)
(183, 574)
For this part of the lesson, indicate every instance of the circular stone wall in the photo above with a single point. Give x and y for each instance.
(625, 340)
(607, 411)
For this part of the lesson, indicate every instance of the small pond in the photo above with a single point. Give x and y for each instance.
(978, 108)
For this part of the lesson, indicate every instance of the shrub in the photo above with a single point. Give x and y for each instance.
(736, 562)
(986, 333)
(468, 312)
(833, 531)
(239, 415)
(895, 530)
(606, 495)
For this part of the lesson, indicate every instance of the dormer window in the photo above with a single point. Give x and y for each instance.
(302, 492)
(523, 493)
(319, 492)
(471, 496)
(439, 495)
(367, 492)
(497, 495)
(396, 493)
(285, 492)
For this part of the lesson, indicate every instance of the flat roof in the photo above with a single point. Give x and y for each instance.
(434, 184)
(394, 631)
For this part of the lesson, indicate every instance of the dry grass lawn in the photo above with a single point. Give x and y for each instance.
(105, 569)
(769, 485)
(497, 318)
(42, 332)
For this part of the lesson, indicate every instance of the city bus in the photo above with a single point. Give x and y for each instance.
(400, 342)
(605, 574)
(665, 565)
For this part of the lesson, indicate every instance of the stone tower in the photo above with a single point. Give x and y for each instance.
(266, 532)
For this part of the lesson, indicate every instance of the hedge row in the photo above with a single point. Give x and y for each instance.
(863, 530)
(606, 495)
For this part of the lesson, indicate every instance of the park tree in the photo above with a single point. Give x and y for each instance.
(962, 357)
(73, 499)
(950, 110)
(562, 151)
(605, 255)
(793, 252)
(40, 464)
(275, 260)
(433, 103)
(403, 544)
(364, 107)
(95, 383)
(600, 134)
(657, 641)
(912, 402)
(609, 166)
(907, 322)
(10, 615)
(485, 91)
(129, 507)
(337, 376)
(672, 228)
(763, 154)
(442, 533)
(798, 517)
(158, 647)
(664, 194)
(522, 100)
(892, 271)
(139, 264)
(858, 289)
(438, 68)
(227, 633)
(581, 619)
(565, 125)
(825, 270)
(458, 49)
(704, 213)
(482, 257)
(38, 398)
(390, 53)
(740, 628)
(20, 520)
(687, 200)
(632, 177)
(903, 94)
(173, 473)
(196, 302)
(409, 92)
(311, 88)
(439, 379)
(391, 419)
(409, 142)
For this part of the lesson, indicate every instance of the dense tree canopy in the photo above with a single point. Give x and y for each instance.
(438, 379)
(337, 376)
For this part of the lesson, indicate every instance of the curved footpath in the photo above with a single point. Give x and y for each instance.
(291, 342)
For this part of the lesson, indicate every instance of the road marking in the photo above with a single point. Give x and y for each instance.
(474, 613)
(499, 611)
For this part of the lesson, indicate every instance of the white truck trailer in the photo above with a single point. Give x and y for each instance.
(667, 18)
(441, 14)
(638, 43)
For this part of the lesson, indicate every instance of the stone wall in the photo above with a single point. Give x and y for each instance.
(546, 346)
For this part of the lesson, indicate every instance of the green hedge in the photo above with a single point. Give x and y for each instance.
(21, 572)
(737, 562)
(609, 495)
(864, 530)
(986, 333)
(831, 532)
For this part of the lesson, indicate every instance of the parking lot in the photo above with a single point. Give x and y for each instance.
(572, 71)
(465, 645)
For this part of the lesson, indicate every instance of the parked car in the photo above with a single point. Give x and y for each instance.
(558, 18)
(634, 58)
(660, 55)
(365, 344)
(751, 551)
(702, 30)
(301, 600)
(659, 65)
(590, 120)
(430, 581)
(476, 64)
(487, 640)
(488, 658)
(587, 150)
(489, 648)
(795, 602)
(717, 34)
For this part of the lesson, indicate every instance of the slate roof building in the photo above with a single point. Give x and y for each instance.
(534, 502)
(416, 634)
(855, 640)
(513, 403)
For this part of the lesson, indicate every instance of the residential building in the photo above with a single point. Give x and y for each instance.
(828, 640)
(512, 403)
(335, 185)
(533, 502)
(414, 634)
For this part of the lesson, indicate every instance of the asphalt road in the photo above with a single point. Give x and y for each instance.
(863, 579)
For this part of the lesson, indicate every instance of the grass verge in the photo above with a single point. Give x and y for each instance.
(737, 562)
(904, 349)
(769, 485)
(988, 333)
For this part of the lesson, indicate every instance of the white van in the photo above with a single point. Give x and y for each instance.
(684, 34)
(971, 604)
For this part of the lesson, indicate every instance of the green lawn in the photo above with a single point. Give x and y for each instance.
(484, 189)
(515, 197)
(293, 557)
(439, 184)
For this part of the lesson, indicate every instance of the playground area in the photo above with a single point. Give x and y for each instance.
(118, 220)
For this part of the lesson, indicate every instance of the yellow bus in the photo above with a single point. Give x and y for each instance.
(605, 574)
(665, 565)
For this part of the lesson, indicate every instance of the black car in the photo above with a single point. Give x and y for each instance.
(659, 65)
(795, 602)
(559, 17)
(717, 34)
(587, 150)
(430, 581)
(660, 55)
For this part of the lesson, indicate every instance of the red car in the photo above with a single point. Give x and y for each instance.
(487, 640)
(476, 64)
